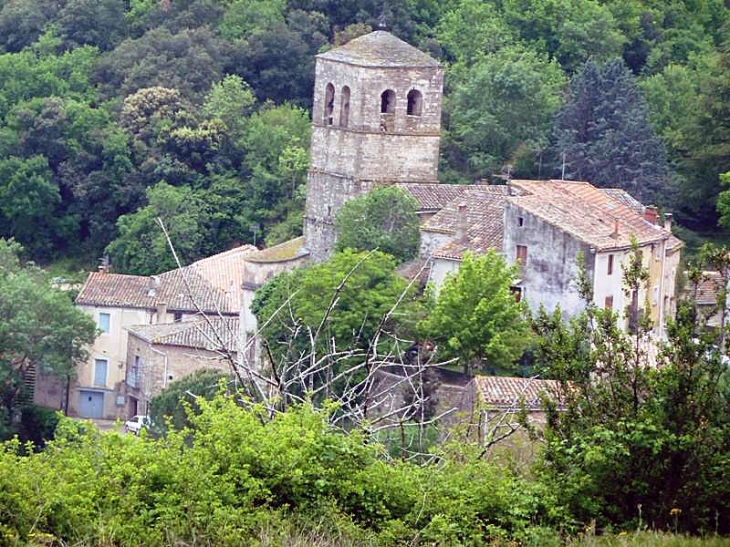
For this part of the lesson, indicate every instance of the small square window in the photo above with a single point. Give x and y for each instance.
(104, 322)
(608, 304)
(520, 221)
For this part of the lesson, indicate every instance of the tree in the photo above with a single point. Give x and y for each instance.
(385, 219)
(230, 101)
(660, 424)
(179, 398)
(142, 248)
(476, 317)
(336, 306)
(604, 135)
(488, 130)
(39, 327)
(28, 201)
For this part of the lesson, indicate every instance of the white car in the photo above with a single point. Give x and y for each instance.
(136, 424)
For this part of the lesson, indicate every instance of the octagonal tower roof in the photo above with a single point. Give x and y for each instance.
(380, 49)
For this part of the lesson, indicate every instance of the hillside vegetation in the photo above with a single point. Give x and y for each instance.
(113, 113)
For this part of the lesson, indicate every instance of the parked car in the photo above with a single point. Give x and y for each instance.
(136, 424)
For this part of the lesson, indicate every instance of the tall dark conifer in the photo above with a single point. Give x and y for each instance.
(604, 133)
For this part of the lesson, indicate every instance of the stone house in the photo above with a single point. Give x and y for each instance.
(543, 226)
(213, 286)
(496, 409)
(158, 354)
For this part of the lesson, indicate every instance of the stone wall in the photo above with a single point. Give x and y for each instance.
(353, 153)
(160, 365)
(551, 273)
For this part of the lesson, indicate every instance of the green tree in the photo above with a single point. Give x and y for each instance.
(604, 135)
(39, 327)
(335, 307)
(230, 101)
(476, 317)
(179, 398)
(488, 130)
(660, 422)
(245, 17)
(142, 248)
(28, 201)
(384, 219)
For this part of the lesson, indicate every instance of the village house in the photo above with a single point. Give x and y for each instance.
(213, 286)
(158, 354)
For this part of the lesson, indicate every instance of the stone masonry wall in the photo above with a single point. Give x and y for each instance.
(370, 149)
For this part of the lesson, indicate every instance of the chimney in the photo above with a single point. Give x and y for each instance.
(162, 312)
(615, 228)
(668, 221)
(462, 223)
(651, 214)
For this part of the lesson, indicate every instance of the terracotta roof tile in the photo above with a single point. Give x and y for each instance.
(708, 289)
(215, 285)
(485, 222)
(507, 392)
(379, 49)
(587, 212)
(224, 334)
(433, 197)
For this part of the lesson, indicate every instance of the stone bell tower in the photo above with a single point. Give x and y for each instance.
(375, 121)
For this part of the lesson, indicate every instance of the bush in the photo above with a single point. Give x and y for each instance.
(237, 475)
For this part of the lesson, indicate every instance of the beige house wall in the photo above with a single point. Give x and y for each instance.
(112, 346)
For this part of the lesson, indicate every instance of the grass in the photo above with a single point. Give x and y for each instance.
(648, 539)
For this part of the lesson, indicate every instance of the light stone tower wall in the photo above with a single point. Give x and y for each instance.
(368, 149)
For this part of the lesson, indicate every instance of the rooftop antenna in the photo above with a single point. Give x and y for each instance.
(383, 20)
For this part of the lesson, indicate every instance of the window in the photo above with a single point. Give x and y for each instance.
(520, 221)
(104, 322)
(655, 301)
(608, 304)
(517, 293)
(345, 107)
(100, 366)
(134, 375)
(610, 264)
(329, 103)
(415, 103)
(522, 254)
(178, 316)
(387, 102)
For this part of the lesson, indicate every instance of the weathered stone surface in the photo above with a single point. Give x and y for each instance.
(355, 147)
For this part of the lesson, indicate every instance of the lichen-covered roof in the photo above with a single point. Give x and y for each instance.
(707, 289)
(220, 334)
(380, 49)
(213, 284)
(504, 392)
(588, 213)
(283, 252)
(484, 222)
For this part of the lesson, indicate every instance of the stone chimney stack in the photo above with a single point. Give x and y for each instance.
(615, 228)
(668, 217)
(462, 223)
(162, 312)
(651, 214)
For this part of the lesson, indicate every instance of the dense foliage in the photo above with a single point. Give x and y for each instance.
(40, 329)
(237, 474)
(476, 317)
(102, 102)
(335, 307)
(385, 219)
(660, 423)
